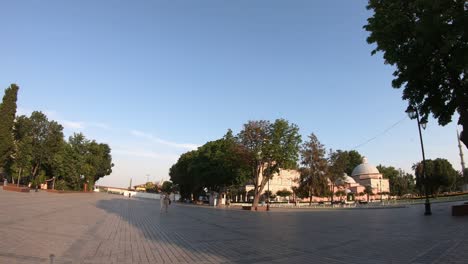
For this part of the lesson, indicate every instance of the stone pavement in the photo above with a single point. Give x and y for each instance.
(102, 228)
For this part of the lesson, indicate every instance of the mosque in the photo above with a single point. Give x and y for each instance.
(363, 175)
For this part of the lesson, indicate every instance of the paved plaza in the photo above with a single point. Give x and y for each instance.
(104, 228)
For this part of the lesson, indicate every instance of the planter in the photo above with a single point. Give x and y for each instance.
(61, 191)
(460, 210)
(258, 208)
(14, 188)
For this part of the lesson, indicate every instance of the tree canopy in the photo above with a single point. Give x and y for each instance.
(216, 166)
(7, 117)
(426, 41)
(401, 183)
(33, 149)
(314, 167)
(440, 175)
(270, 146)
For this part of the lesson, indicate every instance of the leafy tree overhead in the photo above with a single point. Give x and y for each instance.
(270, 146)
(7, 117)
(426, 41)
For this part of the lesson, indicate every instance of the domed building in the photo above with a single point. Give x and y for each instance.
(366, 174)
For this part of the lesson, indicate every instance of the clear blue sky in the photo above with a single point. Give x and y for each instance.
(153, 79)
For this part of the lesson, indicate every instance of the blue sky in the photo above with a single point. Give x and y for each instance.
(154, 79)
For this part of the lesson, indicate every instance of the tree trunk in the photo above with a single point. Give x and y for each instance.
(34, 171)
(332, 192)
(464, 135)
(19, 177)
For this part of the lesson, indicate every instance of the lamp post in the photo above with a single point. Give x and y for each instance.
(413, 113)
(381, 195)
(268, 201)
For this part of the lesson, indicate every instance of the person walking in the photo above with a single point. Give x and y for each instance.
(165, 201)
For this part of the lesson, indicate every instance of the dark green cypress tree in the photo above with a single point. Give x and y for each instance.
(7, 118)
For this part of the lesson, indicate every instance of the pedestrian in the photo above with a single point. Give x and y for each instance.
(165, 201)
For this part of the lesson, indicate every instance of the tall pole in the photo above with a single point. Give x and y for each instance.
(268, 202)
(381, 197)
(427, 204)
(461, 152)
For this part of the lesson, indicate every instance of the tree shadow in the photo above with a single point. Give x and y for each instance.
(186, 234)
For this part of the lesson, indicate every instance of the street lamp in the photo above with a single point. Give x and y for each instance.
(413, 113)
(268, 201)
(381, 195)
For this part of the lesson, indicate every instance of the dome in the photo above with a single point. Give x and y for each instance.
(349, 180)
(345, 180)
(365, 169)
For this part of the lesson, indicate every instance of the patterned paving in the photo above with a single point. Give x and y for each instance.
(100, 228)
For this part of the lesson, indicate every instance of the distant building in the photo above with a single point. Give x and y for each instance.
(363, 175)
(366, 174)
(284, 180)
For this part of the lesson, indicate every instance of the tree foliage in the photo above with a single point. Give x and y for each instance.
(440, 175)
(426, 41)
(284, 193)
(216, 166)
(314, 167)
(338, 162)
(166, 187)
(40, 153)
(7, 117)
(401, 183)
(270, 146)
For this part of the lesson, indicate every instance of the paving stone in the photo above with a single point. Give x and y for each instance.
(103, 228)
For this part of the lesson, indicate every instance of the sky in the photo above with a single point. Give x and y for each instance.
(154, 79)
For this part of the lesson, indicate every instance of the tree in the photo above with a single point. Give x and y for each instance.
(47, 141)
(439, 175)
(217, 166)
(150, 187)
(7, 117)
(353, 158)
(400, 183)
(338, 162)
(81, 161)
(427, 43)
(269, 146)
(181, 173)
(166, 187)
(314, 168)
(368, 191)
(284, 193)
(340, 193)
(22, 157)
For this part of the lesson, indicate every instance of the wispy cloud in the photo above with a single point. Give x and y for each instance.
(67, 124)
(162, 141)
(72, 124)
(145, 154)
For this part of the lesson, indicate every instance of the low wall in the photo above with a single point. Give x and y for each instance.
(148, 195)
(14, 188)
